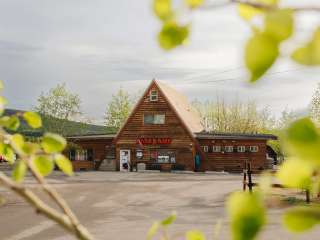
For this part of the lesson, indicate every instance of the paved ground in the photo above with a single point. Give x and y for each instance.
(122, 206)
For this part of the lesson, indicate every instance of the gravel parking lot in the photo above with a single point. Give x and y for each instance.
(122, 206)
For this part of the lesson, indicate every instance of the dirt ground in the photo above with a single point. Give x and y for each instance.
(122, 206)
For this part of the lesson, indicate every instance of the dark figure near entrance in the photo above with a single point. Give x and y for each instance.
(197, 162)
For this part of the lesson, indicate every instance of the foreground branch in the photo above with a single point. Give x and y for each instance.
(43, 208)
(54, 195)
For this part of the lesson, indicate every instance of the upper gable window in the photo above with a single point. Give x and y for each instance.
(154, 118)
(153, 95)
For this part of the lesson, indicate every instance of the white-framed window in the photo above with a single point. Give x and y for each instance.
(241, 148)
(216, 148)
(205, 148)
(228, 148)
(254, 148)
(153, 95)
(154, 118)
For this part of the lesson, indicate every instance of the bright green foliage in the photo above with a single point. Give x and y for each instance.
(43, 164)
(301, 219)
(33, 119)
(64, 164)
(11, 123)
(17, 142)
(7, 152)
(163, 9)
(279, 24)
(247, 215)
(53, 143)
(302, 140)
(194, 3)
(260, 53)
(3, 102)
(295, 173)
(310, 53)
(195, 235)
(153, 230)
(30, 148)
(248, 12)
(172, 35)
(169, 220)
(19, 171)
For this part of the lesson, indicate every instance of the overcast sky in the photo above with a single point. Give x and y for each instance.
(98, 46)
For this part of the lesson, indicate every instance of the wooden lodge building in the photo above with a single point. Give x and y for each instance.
(163, 132)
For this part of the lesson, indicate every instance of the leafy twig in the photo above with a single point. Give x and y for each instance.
(43, 208)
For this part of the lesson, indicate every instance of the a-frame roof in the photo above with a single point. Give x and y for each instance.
(180, 104)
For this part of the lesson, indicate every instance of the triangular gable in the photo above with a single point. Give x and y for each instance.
(178, 104)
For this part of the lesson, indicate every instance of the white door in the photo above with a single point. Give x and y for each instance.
(124, 160)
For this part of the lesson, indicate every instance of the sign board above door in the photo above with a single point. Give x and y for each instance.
(154, 141)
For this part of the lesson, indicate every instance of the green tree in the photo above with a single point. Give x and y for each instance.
(57, 107)
(118, 109)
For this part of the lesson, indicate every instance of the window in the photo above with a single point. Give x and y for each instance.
(153, 95)
(216, 148)
(153, 118)
(72, 154)
(241, 149)
(205, 148)
(254, 149)
(228, 148)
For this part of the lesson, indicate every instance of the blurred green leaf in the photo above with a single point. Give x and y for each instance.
(302, 140)
(172, 35)
(163, 9)
(195, 235)
(3, 103)
(43, 164)
(1, 85)
(33, 119)
(11, 123)
(310, 53)
(17, 142)
(30, 148)
(7, 152)
(300, 219)
(279, 24)
(260, 53)
(64, 164)
(247, 12)
(169, 220)
(153, 230)
(247, 215)
(53, 143)
(19, 171)
(194, 3)
(295, 173)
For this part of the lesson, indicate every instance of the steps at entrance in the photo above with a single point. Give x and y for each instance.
(108, 165)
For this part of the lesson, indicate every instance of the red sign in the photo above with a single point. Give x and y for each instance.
(154, 141)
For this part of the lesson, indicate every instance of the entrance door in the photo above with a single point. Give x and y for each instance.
(124, 160)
